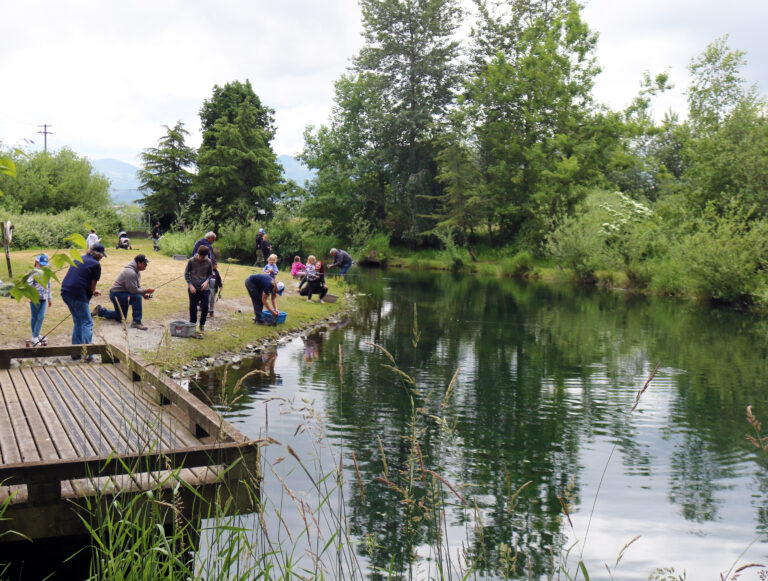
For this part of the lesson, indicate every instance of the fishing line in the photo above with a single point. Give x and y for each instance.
(36, 344)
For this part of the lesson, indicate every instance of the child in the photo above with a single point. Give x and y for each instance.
(297, 268)
(312, 279)
(271, 266)
(38, 310)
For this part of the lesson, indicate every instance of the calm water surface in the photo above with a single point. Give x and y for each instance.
(546, 379)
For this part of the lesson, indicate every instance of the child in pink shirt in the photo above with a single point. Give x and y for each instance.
(297, 268)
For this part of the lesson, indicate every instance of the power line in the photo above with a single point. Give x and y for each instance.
(45, 134)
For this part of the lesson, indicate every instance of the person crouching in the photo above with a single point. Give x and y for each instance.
(198, 276)
(260, 288)
(126, 291)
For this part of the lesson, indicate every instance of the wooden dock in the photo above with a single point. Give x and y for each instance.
(75, 433)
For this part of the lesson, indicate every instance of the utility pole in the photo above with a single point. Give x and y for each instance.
(45, 134)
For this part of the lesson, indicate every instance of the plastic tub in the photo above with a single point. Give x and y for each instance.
(182, 329)
(267, 316)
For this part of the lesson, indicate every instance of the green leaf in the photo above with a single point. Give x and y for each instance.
(75, 255)
(62, 260)
(584, 570)
(77, 240)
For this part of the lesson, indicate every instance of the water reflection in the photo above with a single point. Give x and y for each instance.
(547, 376)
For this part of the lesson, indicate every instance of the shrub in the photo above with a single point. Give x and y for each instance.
(50, 230)
(519, 266)
(724, 257)
(179, 242)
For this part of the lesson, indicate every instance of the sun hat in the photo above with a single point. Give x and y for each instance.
(42, 259)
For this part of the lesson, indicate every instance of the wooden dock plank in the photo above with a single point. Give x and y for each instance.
(40, 435)
(8, 445)
(98, 406)
(21, 429)
(102, 443)
(136, 400)
(74, 431)
(60, 438)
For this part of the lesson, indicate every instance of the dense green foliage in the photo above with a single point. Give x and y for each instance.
(52, 183)
(238, 171)
(166, 177)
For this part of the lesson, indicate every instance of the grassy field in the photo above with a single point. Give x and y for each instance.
(229, 330)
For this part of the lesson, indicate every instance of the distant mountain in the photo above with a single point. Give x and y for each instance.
(125, 184)
(122, 176)
(294, 170)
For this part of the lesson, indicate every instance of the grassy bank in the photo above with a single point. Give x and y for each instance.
(230, 330)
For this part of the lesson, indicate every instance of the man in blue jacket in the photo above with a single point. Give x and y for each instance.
(77, 288)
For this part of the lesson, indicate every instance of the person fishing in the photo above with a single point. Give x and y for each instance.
(198, 275)
(341, 259)
(77, 288)
(262, 287)
(127, 291)
(38, 310)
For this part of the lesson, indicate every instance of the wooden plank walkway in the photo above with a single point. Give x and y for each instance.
(74, 430)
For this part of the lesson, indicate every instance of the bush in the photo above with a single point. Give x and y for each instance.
(179, 242)
(725, 256)
(50, 230)
(519, 266)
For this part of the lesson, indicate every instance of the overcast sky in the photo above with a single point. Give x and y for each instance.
(107, 75)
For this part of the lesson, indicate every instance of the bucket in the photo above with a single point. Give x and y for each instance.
(182, 329)
(267, 316)
(329, 298)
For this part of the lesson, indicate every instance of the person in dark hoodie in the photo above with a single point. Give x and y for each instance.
(127, 291)
(198, 276)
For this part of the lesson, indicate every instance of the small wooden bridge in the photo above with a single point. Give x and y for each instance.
(73, 434)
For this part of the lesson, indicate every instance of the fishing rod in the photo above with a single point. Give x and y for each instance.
(221, 286)
(39, 342)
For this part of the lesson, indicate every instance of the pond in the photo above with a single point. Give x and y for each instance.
(521, 403)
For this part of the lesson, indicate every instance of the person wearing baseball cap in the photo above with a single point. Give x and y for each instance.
(127, 291)
(38, 309)
(262, 287)
(77, 288)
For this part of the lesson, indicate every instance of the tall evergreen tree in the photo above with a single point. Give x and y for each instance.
(166, 176)
(238, 170)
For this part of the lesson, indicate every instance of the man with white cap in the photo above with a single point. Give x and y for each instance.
(262, 287)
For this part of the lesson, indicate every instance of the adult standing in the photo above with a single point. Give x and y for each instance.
(260, 288)
(343, 260)
(257, 244)
(127, 291)
(92, 239)
(208, 240)
(156, 236)
(266, 246)
(198, 275)
(77, 288)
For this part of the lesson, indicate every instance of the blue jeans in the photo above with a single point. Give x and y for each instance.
(38, 315)
(343, 270)
(121, 300)
(82, 327)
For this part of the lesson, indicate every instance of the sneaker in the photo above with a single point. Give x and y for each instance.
(321, 301)
(139, 326)
(96, 312)
(309, 300)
